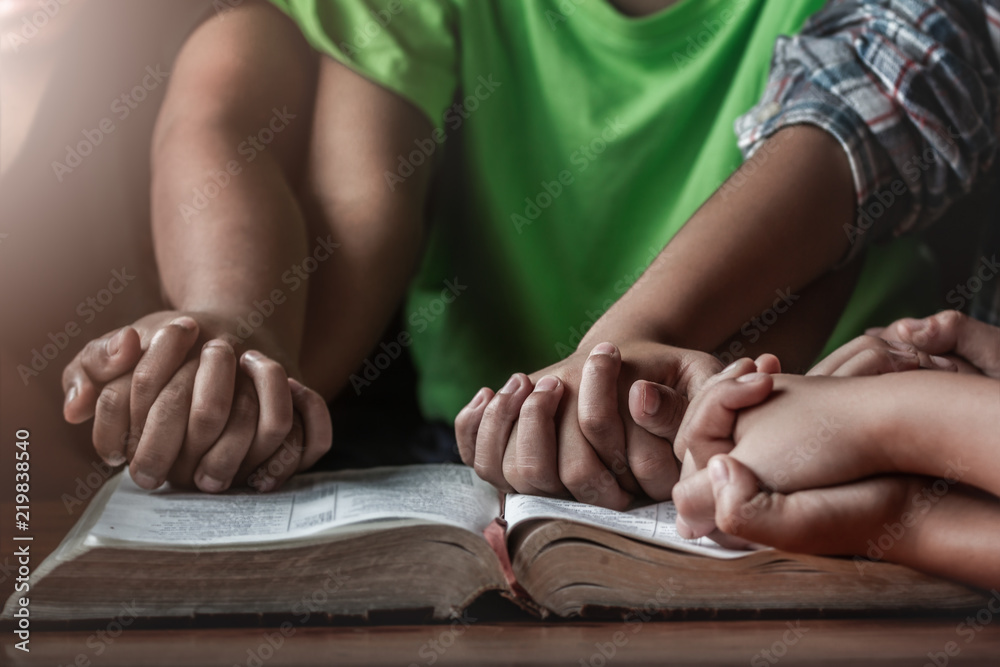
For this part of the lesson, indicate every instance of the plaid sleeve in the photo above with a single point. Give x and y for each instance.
(910, 89)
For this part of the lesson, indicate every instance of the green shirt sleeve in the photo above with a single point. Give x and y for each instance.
(406, 46)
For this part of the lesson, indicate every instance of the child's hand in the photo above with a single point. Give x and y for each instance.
(971, 345)
(193, 418)
(566, 430)
(838, 520)
(873, 355)
(809, 433)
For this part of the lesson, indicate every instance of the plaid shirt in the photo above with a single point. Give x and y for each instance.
(911, 90)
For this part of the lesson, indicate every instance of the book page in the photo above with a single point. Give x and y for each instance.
(307, 504)
(652, 523)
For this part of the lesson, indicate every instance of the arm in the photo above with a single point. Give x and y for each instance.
(796, 217)
(899, 519)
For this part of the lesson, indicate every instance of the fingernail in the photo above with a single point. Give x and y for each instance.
(944, 363)
(220, 344)
(185, 323)
(547, 383)
(718, 472)
(913, 326)
(114, 460)
(145, 481)
(114, 343)
(512, 385)
(751, 378)
(478, 399)
(874, 331)
(71, 394)
(900, 346)
(908, 355)
(253, 356)
(683, 529)
(210, 484)
(604, 348)
(262, 482)
(730, 366)
(650, 401)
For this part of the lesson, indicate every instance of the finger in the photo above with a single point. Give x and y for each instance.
(868, 355)
(111, 429)
(695, 504)
(768, 363)
(878, 361)
(166, 427)
(316, 424)
(656, 408)
(534, 464)
(708, 426)
(581, 471)
(167, 350)
(652, 461)
(734, 370)
(810, 521)
(467, 425)
(99, 362)
(219, 465)
(211, 401)
(274, 421)
(598, 412)
(495, 430)
(954, 332)
(282, 464)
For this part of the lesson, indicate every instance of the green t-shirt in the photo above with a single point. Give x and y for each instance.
(571, 143)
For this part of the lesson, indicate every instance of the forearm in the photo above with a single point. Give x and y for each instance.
(938, 424)
(779, 232)
(952, 533)
(226, 225)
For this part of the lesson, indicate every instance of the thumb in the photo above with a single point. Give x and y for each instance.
(657, 408)
(951, 331)
(99, 362)
(828, 521)
(709, 423)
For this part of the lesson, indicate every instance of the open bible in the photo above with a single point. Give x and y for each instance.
(427, 542)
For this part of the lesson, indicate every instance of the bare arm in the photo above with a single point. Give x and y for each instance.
(218, 254)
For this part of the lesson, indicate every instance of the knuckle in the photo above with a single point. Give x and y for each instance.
(109, 402)
(654, 467)
(536, 408)
(576, 475)
(206, 417)
(948, 320)
(245, 408)
(597, 426)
